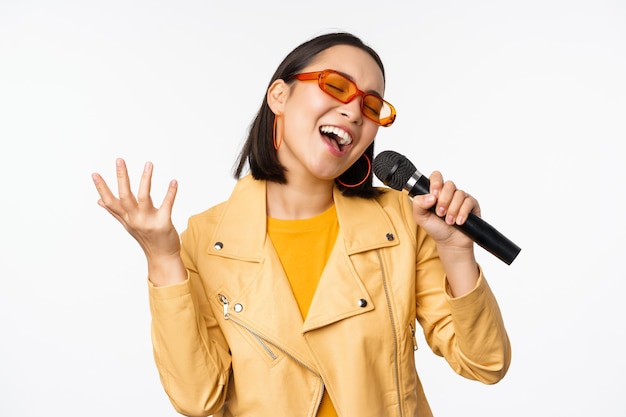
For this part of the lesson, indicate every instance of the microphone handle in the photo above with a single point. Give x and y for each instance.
(475, 227)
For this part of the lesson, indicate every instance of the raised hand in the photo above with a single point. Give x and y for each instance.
(151, 227)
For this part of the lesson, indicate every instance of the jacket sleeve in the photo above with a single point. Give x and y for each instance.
(190, 351)
(467, 331)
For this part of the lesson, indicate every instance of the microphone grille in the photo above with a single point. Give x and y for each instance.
(393, 169)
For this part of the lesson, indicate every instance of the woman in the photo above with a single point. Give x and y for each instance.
(299, 295)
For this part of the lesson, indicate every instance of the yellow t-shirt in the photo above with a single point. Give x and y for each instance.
(303, 247)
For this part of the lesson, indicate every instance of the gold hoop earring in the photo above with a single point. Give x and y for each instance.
(369, 170)
(278, 141)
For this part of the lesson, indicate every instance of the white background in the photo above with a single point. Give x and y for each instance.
(522, 103)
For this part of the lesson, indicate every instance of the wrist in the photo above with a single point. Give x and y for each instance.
(166, 270)
(462, 271)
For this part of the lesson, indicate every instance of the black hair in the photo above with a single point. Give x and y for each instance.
(258, 150)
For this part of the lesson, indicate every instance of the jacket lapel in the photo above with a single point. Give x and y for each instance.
(340, 292)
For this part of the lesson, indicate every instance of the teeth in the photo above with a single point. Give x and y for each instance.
(344, 137)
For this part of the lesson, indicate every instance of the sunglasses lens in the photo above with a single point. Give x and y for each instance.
(339, 87)
(372, 107)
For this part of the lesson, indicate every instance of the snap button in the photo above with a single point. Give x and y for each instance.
(238, 307)
(218, 245)
(362, 302)
(390, 236)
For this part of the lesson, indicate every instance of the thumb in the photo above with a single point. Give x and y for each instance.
(423, 203)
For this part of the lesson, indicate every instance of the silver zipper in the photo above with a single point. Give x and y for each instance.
(413, 336)
(394, 331)
(225, 303)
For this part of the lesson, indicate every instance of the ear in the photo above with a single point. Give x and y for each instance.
(277, 95)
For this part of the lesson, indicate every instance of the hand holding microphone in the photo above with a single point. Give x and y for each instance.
(397, 172)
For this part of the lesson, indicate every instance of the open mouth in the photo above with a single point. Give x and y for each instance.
(338, 137)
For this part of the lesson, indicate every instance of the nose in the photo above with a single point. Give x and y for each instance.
(352, 110)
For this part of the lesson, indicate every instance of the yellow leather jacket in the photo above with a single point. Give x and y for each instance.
(230, 341)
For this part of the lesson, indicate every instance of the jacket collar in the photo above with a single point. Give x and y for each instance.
(363, 223)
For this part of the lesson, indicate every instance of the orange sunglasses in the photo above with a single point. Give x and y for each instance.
(345, 90)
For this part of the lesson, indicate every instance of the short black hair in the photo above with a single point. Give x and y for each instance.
(258, 150)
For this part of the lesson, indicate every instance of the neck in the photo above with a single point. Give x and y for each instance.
(298, 200)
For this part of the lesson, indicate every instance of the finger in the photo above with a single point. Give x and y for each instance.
(112, 212)
(423, 203)
(101, 186)
(123, 182)
(107, 199)
(445, 198)
(470, 205)
(455, 207)
(436, 183)
(145, 184)
(127, 199)
(170, 196)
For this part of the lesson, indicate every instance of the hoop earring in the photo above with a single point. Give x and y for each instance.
(279, 141)
(369, 170)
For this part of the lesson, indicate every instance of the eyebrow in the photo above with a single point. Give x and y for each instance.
(348, 76)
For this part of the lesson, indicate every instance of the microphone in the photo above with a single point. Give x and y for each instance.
(397, 172)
